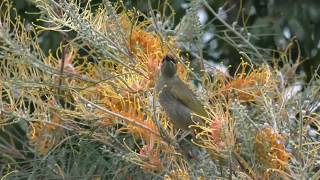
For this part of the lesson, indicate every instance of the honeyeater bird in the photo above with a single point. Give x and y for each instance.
(175, 97)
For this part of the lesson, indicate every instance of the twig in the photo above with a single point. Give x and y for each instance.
(230, 28)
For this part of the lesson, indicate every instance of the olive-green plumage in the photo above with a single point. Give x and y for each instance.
(176, 98)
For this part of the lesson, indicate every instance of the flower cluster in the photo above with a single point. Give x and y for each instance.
(44, 135)
(270, 149)
(248, 86)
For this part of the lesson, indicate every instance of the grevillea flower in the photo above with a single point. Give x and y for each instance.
(44, 135)
(149, 51)
(151, 157)
(270, 149)
(137, 130)
(247, 87)
(179, 174)
(216, 131)
(129, 105)
(148, 47)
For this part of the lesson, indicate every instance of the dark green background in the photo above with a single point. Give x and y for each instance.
(266, 24)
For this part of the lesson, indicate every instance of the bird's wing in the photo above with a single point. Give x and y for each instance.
(182, 92)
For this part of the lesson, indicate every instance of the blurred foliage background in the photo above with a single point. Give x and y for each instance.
(269, 25)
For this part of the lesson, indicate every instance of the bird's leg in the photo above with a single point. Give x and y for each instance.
(187, 147)
(183, 135)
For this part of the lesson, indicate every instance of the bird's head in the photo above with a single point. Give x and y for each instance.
(168, 66)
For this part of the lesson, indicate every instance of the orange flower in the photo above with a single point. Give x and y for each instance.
(41, 137)
(140, 131)
(270, 149)
(151, 157)
(216, 126)
(44, 135)
(218, 135)
(147, 47)
(248, 86)
(129, 105)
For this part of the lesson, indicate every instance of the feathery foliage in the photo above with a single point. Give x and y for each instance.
(88, 110)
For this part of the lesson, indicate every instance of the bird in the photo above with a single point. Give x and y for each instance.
(176, 98)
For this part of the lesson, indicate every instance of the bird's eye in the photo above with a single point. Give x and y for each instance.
(170, 58)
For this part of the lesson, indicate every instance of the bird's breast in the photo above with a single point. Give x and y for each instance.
(177, 112)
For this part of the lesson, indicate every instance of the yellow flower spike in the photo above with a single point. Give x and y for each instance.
(180, 173)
